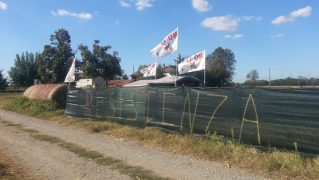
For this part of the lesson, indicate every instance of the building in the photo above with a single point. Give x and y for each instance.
(118, 83)
(168, 81)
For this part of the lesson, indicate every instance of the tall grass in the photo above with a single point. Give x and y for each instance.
(39, 108)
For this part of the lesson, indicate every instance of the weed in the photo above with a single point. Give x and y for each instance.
(29, 130)
(80, 151)
(47, 138)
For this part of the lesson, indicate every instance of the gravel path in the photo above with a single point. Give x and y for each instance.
(49, 159)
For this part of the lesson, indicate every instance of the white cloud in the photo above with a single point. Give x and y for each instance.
(221, 23)
(63, 12)
(124, 4)
(201, 5)
(235, 36)
(277, 36)
(251, 18)
(282, 20)
(3, 6)
(248, 18)
(142, 4)
(259, 18)
(303, 12)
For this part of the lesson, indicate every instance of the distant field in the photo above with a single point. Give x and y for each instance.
(274, 87)
(5, 98)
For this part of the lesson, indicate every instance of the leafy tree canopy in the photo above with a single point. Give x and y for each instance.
(3, 81)
(24, 71)
(220, 67)
(100, 62)
(252, 77)
(56, 58)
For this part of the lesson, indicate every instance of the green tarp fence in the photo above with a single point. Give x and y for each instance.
(267, 117)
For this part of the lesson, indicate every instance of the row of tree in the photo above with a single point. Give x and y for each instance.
(51, 65)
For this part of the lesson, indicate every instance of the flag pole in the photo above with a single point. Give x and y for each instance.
(176, 70)
(205, 70)
(155, 67)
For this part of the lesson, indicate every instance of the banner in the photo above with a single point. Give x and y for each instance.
(193, 63)
(168, 45)
(70, 77)
(149, 71)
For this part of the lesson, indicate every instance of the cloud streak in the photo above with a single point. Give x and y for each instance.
(221, 23)
(142, 4)
(124, 4)
(3, 6)
(292, 17)
(277, 36)
(201, 5)
(62, 12)
(234, 37)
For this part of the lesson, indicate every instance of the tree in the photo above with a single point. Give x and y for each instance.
(252, 77)
(220, 66)
(178, 60)
(159, 71)
(3, 81)
(24, 71)
(56, 58)
(125, 77)
(100, 62)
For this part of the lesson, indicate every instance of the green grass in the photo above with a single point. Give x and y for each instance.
(275, 163)
(47, 138)
(80, 151)
(45, 108)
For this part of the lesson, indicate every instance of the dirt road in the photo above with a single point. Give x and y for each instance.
(49, 161)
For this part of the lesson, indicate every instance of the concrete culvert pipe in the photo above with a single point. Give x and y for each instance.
(55, 92)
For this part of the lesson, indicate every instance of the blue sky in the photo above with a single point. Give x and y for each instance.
(277, 34)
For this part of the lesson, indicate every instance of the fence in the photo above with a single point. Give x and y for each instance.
(266, 117)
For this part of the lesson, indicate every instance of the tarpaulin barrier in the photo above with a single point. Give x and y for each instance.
(267, 117)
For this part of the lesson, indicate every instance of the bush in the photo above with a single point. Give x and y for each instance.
(32, 107)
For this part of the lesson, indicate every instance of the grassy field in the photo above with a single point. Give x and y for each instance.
(284, 165)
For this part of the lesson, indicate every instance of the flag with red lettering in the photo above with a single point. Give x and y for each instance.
(168, 45)
(149, 71)
(70, 77)
(196, 62)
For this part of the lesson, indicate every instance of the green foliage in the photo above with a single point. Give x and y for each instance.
(125, 77)
(159, 71)
(252, 77)
(220, 67)
(100, 62)
(56, 58)
(24, 71)
(32, 107)
(3, 81)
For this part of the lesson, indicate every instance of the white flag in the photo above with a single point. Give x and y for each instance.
(149, 71)
(193, 63)
(168, 45)
(70, 77)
